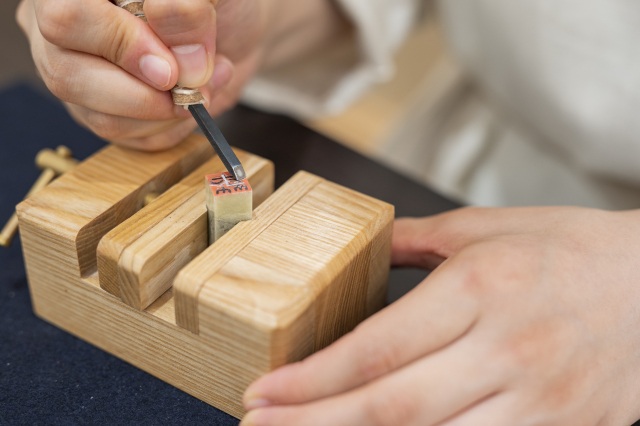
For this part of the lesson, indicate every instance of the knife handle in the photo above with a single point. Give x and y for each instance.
(183, 96)
(133, 6)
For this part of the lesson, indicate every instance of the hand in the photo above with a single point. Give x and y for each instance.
(113, 70)
(531, 317)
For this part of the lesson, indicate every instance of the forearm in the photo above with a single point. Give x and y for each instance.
(293, 28)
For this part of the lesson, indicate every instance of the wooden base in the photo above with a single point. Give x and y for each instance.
(140, 283)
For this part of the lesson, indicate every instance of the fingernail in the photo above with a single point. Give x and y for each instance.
(252, 404)
(193, 63)
(222, 73)
(156, 69)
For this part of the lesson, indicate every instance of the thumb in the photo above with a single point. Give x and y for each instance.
(188, 28)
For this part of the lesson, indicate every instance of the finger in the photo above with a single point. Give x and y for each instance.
(188, 27)
(425, 242)
(102, 29)
(105, 113)
(152, 135)
(161, 140)
(409, 249)
(425, 392)
(433, 317)
(97, 84)
(102, 86)
(496, 410)
(120, 129)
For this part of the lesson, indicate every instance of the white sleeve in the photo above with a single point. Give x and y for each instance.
(328, 80)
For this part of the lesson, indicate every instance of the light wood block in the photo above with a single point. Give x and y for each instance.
(228, 202)
(311, 264)
(103, 191)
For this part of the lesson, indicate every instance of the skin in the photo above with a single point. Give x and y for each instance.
(113, 71)
(530, 318)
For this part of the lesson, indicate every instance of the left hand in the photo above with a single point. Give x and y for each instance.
(531, 317)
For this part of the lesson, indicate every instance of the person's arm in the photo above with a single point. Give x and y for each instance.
(531, 317)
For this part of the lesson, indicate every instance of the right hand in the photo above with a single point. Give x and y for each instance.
(114, 71)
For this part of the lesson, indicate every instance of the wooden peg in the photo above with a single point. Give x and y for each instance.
(52, 163)
(59, 161)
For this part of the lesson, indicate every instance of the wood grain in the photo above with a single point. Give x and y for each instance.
(148, 249)
(84, 204)
(313, 274)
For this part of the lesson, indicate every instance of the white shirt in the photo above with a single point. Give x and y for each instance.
(554, 117)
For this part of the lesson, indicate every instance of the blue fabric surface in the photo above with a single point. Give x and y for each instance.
(46, 375)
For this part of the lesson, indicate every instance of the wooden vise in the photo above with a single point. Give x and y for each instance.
(141, 282)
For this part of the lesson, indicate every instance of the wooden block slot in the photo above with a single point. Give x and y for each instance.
(309, 266)
(138, 260)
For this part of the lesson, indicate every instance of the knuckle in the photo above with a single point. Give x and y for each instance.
(517, 354)
(301, 390)
(58, 76)
(103, 125)
(56, 19)
(115, 50)
(477, 281)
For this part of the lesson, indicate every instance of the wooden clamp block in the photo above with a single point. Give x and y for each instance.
(140, 283)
